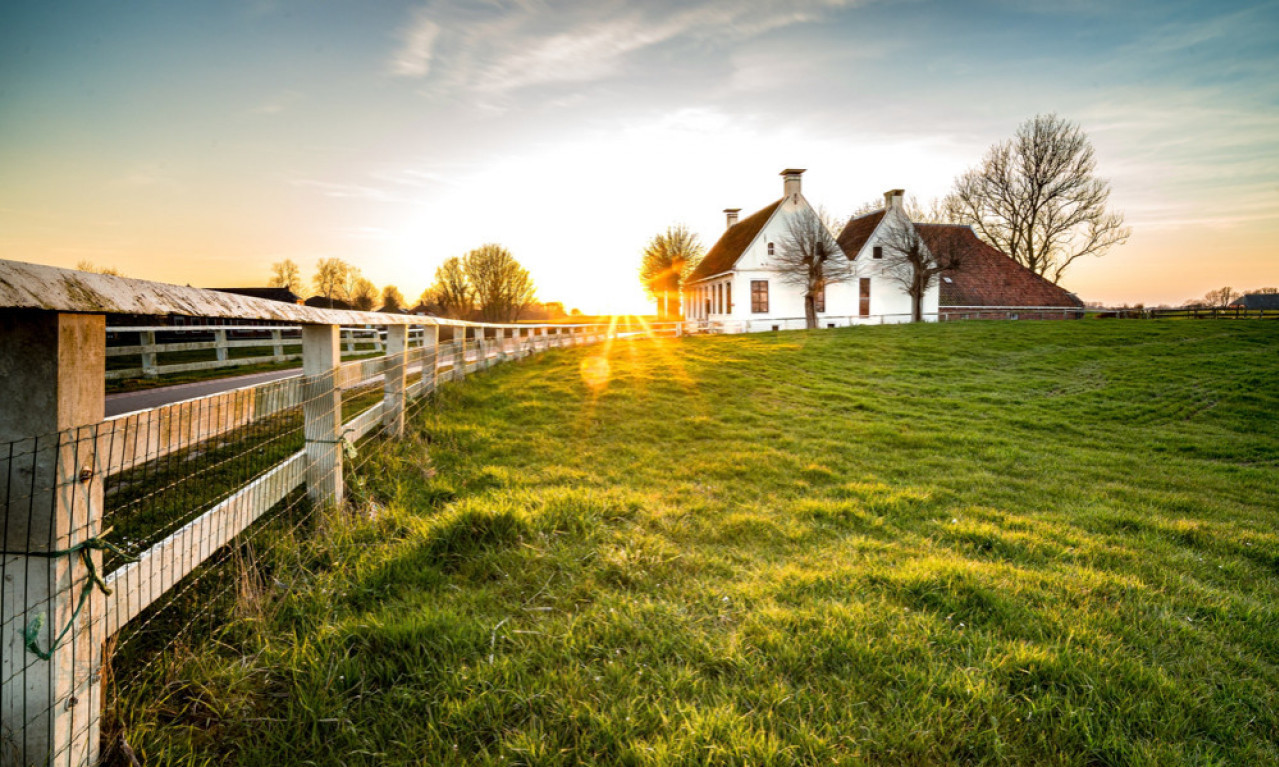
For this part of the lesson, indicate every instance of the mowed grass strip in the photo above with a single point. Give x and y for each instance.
(971, 543)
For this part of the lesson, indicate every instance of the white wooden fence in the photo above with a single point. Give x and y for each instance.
(57, 608)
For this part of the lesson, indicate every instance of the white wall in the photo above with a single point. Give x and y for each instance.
(889, 301)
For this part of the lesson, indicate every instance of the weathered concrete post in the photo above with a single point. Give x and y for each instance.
(277, 345)
(219, 339)
(430, 365)
(459, 352)
(322, 413)
(397, 344)
(147, 340)
(51, 370)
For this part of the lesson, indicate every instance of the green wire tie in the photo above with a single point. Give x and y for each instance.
(31, 633)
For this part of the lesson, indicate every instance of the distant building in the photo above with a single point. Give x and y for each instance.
(283, 295)
(320, 302)
(736, 280)
(1257, 301)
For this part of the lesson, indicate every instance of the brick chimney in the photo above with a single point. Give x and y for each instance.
(790, 182)
(893, 198)
(731, 213)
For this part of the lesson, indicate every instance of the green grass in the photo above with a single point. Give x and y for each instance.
(971, 543)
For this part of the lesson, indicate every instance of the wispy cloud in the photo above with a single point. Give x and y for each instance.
(532, 43)
(413, 58)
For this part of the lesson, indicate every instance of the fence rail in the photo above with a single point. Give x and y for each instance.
(109, 521)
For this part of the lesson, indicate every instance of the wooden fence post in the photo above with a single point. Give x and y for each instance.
(322, 413)
(147, 339)
(397, 344)
(53, 366)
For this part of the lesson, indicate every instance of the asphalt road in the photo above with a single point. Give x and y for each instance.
(128, 402)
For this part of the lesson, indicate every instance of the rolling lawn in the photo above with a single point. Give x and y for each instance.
(975, 543)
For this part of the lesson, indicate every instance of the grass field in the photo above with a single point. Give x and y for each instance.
(971, 543)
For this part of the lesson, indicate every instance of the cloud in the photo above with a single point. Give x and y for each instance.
(413, 59)
(499, 48)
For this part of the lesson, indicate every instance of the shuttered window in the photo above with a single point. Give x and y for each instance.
(864, 309)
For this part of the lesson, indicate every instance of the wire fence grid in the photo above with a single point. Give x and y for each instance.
(167, 523)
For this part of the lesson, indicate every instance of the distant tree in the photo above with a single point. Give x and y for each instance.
(1036, 197)
(554, 310)
(88, 266)
(451, 294)
(1219, 297)
(286, 274)
(363, 293)
(503, 289)
(934, 212)
(667, 259)
(808, 257)
(915, 260)
(331, 279)
(1264, 291)
(575, 312)
(392, 299)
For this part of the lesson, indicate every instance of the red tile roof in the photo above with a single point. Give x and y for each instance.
(990, 278)
(724, 254)
(857, 231)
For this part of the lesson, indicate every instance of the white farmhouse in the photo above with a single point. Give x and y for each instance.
(736, 285)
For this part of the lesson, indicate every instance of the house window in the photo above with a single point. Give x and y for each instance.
(819, 298)
(770, 249)
(878, 252)
(864, 308)
(759, 296)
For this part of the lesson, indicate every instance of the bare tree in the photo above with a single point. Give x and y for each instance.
(286, 274)
(916, 255)
(451, 294)
(808, 256)
(1219, 298)
(1036, 198)
(503, 288)
(392, 299)
(668, 258)
(934, 212)
(330, 280)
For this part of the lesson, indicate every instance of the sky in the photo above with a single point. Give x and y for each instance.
(199, 142)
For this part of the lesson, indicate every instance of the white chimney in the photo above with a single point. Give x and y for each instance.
(893, 198)
(790, 183)
(731, 213)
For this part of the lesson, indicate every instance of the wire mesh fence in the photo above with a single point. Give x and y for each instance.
(132, 540)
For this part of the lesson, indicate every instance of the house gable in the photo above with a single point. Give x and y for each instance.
(858, 231)
(723, 256)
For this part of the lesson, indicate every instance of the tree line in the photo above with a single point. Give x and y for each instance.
(485, 284)
(1035, 197)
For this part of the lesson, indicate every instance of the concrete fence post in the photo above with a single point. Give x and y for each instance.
(277, 345)
(322, 413)
(430, 364)
(393, 387)
(52, 366)
(219, 339)
(459, 351)
(147, 340)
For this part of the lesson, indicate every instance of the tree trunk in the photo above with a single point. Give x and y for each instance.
(810, 312)
(916, 308)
